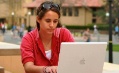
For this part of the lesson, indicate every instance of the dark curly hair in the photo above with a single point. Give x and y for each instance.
(41, 12)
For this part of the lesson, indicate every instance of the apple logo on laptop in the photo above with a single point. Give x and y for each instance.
(82, 61)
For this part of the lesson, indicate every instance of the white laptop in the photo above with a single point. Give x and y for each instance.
(82, 57)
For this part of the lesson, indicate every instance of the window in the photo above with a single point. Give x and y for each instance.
(94, 12)
(93, 20)
(70, 11)
(76, 11)
(64, 9)
(32, 11)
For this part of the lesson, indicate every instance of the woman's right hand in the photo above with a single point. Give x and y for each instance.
(50, 69)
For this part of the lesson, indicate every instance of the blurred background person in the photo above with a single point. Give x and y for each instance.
(95, 30)
(87, 35)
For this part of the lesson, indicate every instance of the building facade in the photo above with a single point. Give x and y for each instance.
(73, 12)
(13, 12)
(81, 12)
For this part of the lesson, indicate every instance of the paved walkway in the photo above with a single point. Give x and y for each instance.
(99, 38)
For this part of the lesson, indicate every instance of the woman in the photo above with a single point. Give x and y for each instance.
(40, 48)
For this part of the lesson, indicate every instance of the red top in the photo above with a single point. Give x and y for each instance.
(32, 49)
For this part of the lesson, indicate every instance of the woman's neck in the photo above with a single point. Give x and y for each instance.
(45, 37)
(46, 40)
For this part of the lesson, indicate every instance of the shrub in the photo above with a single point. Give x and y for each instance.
(90, 26)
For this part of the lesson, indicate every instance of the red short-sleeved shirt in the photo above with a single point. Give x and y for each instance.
(32, 48)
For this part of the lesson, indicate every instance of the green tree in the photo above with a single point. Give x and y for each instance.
(115, 12)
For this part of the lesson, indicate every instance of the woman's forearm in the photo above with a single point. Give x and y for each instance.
(31, 68)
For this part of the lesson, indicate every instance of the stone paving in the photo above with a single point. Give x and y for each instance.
(97, 38)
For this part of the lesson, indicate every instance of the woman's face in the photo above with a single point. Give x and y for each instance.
(49, 22)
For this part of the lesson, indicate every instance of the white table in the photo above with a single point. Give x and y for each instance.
(110, 68)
